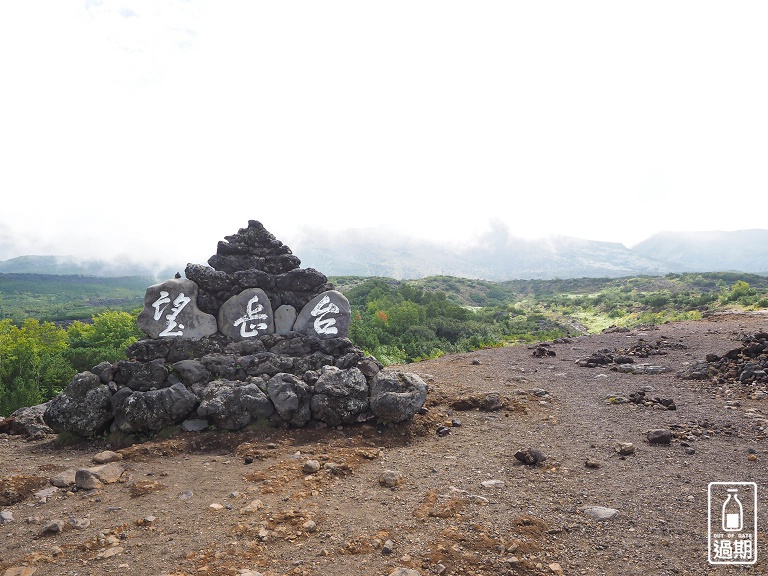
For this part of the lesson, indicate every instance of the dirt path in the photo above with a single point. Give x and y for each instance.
(241, 503)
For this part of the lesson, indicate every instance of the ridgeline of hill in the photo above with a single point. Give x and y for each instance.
(61, 298)
(498, 256)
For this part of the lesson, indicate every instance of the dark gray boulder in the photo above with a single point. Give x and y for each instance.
(291, 398)
(170, 311)
(396, 396)
(233, 405)
(105, 371)
(327, 315)
(82, 408)
(220, 365)
(285, 318)
(27, 422)
(141, 376)
(247, 315)
(154, 410)
(300, 280)
(340, 396)
(191, 372)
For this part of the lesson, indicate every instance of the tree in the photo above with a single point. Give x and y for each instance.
(32, 368)
(105, 339)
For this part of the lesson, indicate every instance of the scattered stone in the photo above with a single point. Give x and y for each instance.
(491, 402)
(309, 526)
(639, 397)
(106, 457)
(53, 527)
(600, 512)
(396, 396)
(46, 493)
(642, 369)
(390, 478)
(109, 552)
(6, 516)
(144, 487)
(555, 568)
(542, 350)
(388, 547)
(625, 448)
(443, 431)
(194, 425)
(310, 467)
(215, 507)
(591, 463)
(86, 480)
(492, 483)
(79, 523)
(530, 456)
(615, 399)
(404, 572)
(20, 571)
(252, 507)
(659, 436)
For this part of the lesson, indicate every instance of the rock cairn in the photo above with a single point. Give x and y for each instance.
(250, 338)
(619, 359)
(743, 369)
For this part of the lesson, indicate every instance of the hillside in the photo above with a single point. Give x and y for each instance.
(65, 297)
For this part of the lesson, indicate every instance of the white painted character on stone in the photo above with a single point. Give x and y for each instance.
(325, 325)
(159, 302)
(249, 325)
(178, 305)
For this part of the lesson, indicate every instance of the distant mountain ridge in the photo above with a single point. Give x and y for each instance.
(714, 251)
(67, 265)
(498, 256)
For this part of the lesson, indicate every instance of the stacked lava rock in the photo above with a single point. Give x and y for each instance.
(250, 338)
(744, 368)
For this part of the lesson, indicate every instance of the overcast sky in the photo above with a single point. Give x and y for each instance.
(152, 129)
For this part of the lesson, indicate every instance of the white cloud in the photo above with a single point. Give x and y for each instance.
(158, 128)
